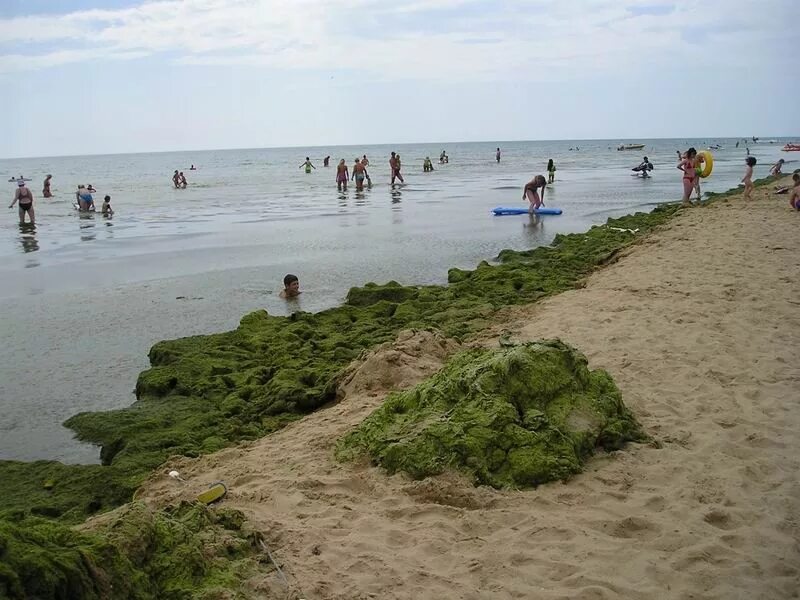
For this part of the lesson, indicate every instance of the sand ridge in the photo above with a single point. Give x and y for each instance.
(698, 324)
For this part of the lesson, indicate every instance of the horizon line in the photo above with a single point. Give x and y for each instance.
(777, 137)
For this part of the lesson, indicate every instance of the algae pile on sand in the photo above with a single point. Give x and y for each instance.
(185, 552)
(510, 417)
(207, 392)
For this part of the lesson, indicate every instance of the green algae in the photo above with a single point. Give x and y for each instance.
(207, 392)
(184, 552)
(510, 417)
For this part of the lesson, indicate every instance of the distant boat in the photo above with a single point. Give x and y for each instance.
(630, 146)
(791, 148)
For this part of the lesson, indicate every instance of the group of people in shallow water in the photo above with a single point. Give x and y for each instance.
(23, 199)
(179, 179)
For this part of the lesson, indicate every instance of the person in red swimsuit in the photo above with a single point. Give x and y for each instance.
(688, 165)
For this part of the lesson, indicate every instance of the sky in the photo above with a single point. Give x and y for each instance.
(112, 76)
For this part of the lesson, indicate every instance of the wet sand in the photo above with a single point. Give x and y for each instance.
(698, 324)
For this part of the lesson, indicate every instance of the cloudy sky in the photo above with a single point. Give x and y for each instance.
(102, 76)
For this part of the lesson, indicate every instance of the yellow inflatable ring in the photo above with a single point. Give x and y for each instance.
(708, 164)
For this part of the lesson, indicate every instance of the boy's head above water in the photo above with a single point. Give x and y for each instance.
(291, 286)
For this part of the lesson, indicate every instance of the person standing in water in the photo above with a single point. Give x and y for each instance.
(398, 165)
(393, 167)
(747, 180)
(326, 161)
(531, 192)
(176, 179)
(497, 156)
(551, 171)
(46, 187)
(359, 174)
(342, 176)
(365, 160)
(182, 180)
(25, 198)
(307, 164)
(427, 165)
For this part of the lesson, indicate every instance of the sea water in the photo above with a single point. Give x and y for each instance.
(84, 297)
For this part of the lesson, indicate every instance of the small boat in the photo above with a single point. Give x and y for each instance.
(791, 148)
(630, 146)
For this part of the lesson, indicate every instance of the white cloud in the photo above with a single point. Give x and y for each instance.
(414, 39)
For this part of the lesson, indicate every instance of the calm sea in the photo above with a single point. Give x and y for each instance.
(84, 297)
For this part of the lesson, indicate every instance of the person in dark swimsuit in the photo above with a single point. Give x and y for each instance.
(46, 187)
(25, 198)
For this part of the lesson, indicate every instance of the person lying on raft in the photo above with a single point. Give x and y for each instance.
(644, 167)
(531, 192)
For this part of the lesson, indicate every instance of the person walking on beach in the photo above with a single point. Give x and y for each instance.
(497, 156)
(46, 187)
(551, 171)
(25, 198)
(531, 192)
(747, 180)
(342, 176)
(688, 164)
(307, 164)
(359, 174)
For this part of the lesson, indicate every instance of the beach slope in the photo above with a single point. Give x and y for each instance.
(698, 325)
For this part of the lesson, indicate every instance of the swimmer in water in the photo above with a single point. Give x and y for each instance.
(531, 192)
(359, 174)
(342, 175)
(192, 168)
(747, 180)
(308, 166)
(106, 208)
(25, 198)
(291, 287)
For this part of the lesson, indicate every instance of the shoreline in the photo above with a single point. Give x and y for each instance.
(609, 250)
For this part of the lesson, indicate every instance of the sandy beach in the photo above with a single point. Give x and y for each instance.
(698, 324)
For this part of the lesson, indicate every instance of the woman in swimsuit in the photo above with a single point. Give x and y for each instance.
(688, 165)
(307, 165)
(84, 198)
(25, 198)
(531, 192)
(342, 175)
(46, 188)
(551, 171)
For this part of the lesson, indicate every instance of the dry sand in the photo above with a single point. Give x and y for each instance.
(699, 325)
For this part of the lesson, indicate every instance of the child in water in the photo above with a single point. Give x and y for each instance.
(551, 171)
(342, 175)
(106, 208)
(307, 164)
(531, 192)
(291, 287)
(747, 180)
(427, 166)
